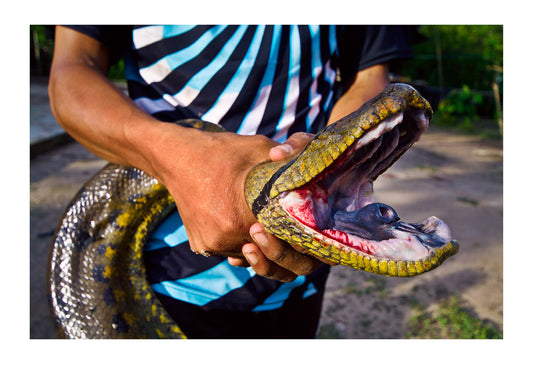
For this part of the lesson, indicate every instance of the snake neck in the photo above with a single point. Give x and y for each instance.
(260, 180)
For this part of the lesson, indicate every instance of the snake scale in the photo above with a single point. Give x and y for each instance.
(320, 200)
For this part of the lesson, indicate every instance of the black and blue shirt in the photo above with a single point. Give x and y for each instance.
(268, 79)
(249, 79)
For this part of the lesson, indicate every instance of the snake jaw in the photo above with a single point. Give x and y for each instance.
(327, 204)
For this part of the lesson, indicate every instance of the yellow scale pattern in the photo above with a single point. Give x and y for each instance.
(319, 153)
(97, 279)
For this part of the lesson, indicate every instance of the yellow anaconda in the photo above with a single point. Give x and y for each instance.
(320, 200)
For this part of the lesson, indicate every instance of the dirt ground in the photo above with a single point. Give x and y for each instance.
(459, 179)
(455, 177)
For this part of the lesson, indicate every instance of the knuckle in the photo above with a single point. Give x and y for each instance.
(302, 137)
(273, 271)
(215, 243)
(284, 276)
(306, 269)
(278, 256)
(225, 225)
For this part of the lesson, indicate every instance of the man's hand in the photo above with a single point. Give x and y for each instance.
(205, 173)
(208, 188)
(268, 255)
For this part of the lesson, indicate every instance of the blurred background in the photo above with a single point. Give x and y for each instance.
(456, 168)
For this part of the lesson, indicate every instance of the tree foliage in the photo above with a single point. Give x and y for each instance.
(452, 56)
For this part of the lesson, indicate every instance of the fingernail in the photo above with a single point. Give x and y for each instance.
(285, 148)
(260, 239)
(251, 257)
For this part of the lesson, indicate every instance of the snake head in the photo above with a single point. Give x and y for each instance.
(322, 199)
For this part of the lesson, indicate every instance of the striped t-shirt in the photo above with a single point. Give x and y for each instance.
(249, 79)
(272, 80)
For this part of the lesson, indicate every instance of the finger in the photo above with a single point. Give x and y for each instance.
(265, 267)
(293, 144)
(238, 262)
(281, 253)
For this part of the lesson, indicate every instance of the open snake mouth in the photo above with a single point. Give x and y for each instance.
(338, 205)
(322, 199)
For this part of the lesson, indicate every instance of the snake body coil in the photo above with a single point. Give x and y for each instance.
(97, 279)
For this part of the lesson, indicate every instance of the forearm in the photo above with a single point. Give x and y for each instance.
(368, 83)
(205, 172)
(98, 114)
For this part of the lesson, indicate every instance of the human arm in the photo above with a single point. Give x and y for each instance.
(204, 172)
(368, 83)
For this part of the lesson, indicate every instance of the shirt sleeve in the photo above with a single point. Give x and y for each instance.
(363, 46)
(117, 38)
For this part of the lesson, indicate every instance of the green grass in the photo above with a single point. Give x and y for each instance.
(429, 167)
(328, 331)
(485, 128)
(452, 321)
(466, 200)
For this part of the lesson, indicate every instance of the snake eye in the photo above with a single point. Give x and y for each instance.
(369, 222)
(387, 214)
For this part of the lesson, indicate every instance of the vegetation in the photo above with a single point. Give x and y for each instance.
(451, 56)
(462, 109)
(452, 321)
(464, 66)
(117, 71)
(41, 49)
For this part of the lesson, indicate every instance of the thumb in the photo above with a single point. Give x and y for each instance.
(293, 145)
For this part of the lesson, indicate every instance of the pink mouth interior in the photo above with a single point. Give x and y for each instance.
(347, 186)
(301, 207)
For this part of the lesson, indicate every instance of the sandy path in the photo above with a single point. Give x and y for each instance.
(459, 179)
